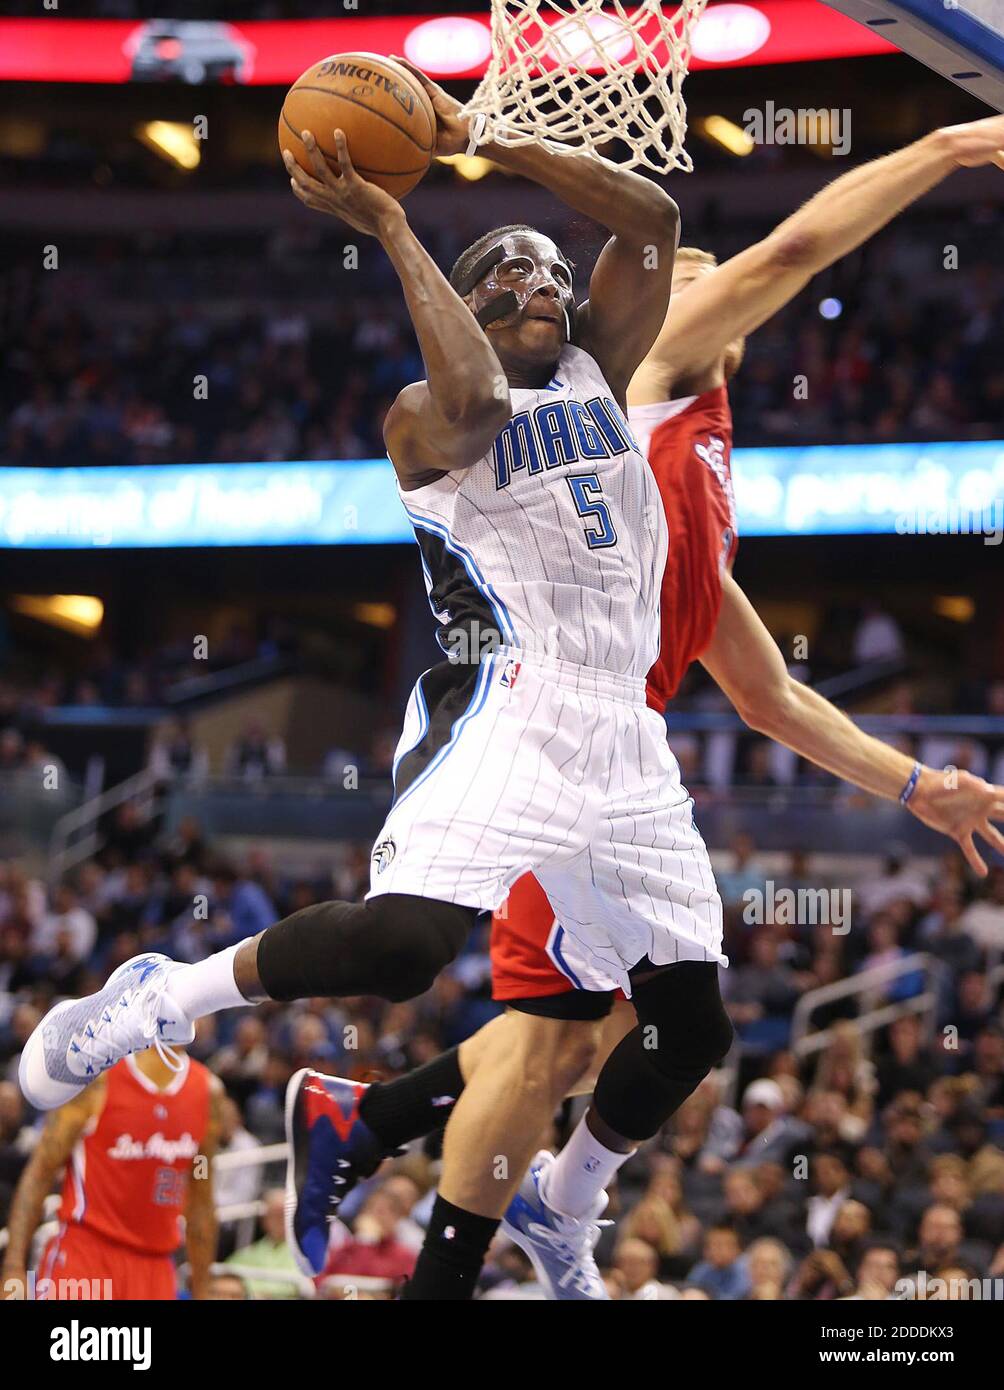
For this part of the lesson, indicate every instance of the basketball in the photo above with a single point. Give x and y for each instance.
(385, 112)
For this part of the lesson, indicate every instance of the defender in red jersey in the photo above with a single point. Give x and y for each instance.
(129, 1144)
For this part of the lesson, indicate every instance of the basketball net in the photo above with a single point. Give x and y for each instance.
(537, 88)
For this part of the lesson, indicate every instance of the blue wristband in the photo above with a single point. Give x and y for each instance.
(911, 784)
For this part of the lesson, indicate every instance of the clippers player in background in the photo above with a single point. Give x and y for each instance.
(511, 1075)
(128, 1144)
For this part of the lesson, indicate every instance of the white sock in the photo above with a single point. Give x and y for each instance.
(580, 1173)
(207, 986)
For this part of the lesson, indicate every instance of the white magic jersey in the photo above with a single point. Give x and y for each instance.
(555, 540)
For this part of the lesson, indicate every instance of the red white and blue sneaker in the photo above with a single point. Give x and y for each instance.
(330, 1149)
(80, 1038)
(559, 1247)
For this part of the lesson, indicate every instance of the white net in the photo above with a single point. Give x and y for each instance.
(575, 74)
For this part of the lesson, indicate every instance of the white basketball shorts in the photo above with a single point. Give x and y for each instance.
(510, 766)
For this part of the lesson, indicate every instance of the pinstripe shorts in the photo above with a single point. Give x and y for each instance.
(509, 766)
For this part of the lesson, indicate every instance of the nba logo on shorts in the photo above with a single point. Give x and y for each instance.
(509, 673)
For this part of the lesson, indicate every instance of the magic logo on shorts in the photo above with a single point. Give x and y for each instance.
(383, 853)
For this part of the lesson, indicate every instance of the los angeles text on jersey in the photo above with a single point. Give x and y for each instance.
(83, 1343)
(560, 432)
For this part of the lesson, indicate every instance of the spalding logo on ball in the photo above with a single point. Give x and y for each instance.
(385, 112)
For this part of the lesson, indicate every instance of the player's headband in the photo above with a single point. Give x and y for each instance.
(504, 279)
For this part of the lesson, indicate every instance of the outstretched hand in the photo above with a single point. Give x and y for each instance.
(363, 205)
(452, 133)
(960, 810)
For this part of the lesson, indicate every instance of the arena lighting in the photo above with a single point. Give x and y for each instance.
(471, 167)
(727, 134)
(958, 608)
(173, 141)
(382, 615)
(726, 33)
(80, 613)
(452, 43)
(830, 308)
(274, 52)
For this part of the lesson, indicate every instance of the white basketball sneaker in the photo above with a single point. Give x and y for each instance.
(560, 1248)
(80, 1038)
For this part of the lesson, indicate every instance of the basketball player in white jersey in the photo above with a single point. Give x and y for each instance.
(539, 524)
(509, 1077)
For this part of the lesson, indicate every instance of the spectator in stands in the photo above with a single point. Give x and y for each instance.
(939, 1241)
(239, 1185)
(256, 754)
(761, 1134)
(831, 1181)
(844, 1068)
(988, 1069)
(983, 919)
(909, 1064)
(270, 1253)
(240, 907)
(884, 950)
(653, 1222)
(372, 1249)
(761, 994)
(899, 881)
(850, 1231)
(228, 1288)
(877, 1272)
(240, 1065)
(186, 845)
(942, 931)
(68, 930)
(743, 874)
(636, 1264)
(768, 1263)
(877, 637)
(130, 835)
(746, 1208)
(174, 755)
(722, 1273)
(822, 1275)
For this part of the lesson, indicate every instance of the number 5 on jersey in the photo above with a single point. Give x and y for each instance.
(588, 497)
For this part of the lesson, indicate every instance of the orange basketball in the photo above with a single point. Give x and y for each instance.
(385, 112)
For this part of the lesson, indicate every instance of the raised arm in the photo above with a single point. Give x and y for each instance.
(62, 1130)
(449, 420)
(744, 292)
(630, 284)
(745, 662)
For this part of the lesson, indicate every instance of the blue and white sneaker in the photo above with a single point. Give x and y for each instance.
(80, 1038)
(330, 1149)
(559, 1247)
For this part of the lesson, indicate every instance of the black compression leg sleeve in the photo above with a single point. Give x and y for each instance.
(393, 946)
(683, 1031)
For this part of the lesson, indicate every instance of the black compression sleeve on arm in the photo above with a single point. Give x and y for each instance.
(392, 946)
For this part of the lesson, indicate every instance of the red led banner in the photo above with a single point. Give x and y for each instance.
(277, 51)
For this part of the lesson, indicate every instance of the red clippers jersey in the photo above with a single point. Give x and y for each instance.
(689, 447)
(128, 1176)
